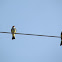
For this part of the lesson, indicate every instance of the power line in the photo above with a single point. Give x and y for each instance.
(32, 34)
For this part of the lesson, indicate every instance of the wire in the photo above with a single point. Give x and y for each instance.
(31, 34)
(6, 32)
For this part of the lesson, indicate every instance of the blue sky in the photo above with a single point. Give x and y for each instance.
(34, 17)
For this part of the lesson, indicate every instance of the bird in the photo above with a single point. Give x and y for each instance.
(61, 39)
(13, 31)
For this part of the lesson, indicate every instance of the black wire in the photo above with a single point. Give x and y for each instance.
(6, 32)
(32, 34)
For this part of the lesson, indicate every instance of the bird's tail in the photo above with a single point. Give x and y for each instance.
(13, 36)
(61, 43)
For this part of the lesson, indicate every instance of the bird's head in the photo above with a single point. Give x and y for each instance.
(13, 26)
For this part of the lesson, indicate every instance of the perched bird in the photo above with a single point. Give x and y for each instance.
(61, 39)
(13, 31)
